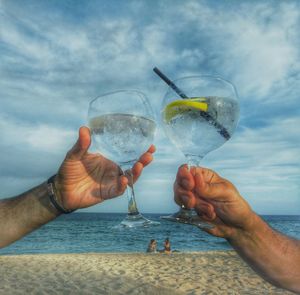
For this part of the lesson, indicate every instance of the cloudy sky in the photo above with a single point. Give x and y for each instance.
(55, 56)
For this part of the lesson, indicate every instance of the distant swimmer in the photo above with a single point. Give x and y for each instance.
(167, 246)
(152, 246)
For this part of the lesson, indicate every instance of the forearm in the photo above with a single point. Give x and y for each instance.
(274, 256)
(23, 214)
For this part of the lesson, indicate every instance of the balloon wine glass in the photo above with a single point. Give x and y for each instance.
(122, 127)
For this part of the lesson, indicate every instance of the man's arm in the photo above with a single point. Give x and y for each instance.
(83, 180)
(23, 214)
(271, 254)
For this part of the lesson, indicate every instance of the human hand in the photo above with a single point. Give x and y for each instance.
(86, 179)
(215, 199)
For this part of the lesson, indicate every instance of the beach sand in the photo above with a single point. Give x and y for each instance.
(220, 272)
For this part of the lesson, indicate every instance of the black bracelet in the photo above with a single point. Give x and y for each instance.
(52, 196)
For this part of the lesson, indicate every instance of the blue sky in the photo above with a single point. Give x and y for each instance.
(55, 56)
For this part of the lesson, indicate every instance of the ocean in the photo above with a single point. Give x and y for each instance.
(96, 232)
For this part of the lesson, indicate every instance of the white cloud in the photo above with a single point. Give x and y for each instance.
(265, 165)
(257, 44)
(36, 137)
(52, 66)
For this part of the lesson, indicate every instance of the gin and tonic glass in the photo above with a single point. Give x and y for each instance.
(122, 126)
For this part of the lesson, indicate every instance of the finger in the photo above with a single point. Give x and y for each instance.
(212, 227)
(203, 224)
(82, 145)
(152, 149)
(207, 190)
(185, 178)
(145, 159)
(205, 210)
(215, 229)
(193, 170)
(209, 175)
(184, 197)
(120, 186)
(200, 185)
(136, 171)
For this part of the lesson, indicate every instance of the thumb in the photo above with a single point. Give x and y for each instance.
(207, 190)
(81, 146)
(205, 210)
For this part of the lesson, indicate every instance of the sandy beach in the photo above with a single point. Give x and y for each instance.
(220, 272)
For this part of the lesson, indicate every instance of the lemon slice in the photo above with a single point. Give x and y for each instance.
(181, 106)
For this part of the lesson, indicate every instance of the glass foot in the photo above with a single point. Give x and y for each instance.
(188, 216)
(137, 220)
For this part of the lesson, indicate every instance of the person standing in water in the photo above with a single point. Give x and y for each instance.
(152, 246)
(167, 246)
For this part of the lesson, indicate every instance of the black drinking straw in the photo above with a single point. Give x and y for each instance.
(170, 83)
(205, 115)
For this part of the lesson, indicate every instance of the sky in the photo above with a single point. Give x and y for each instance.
(56, 56)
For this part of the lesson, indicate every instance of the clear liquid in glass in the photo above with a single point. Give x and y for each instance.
(122, 137)
(197, 132)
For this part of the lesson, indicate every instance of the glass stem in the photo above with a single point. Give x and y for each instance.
(132, 207)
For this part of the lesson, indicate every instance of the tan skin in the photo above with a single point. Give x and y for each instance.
(86, 179)
(152, 246)
(167, 246)
(83, 180)
(214, 198)
(271, 254)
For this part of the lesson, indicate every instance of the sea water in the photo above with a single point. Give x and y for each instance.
(95, 232)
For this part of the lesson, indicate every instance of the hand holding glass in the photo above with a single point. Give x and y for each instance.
(199, 114)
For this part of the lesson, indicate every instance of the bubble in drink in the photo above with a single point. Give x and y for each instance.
(122, 137)
(199, 125)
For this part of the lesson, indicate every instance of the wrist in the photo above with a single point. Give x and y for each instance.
(42, 195)
(55, 195)
(252, 231)
(58, 190)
